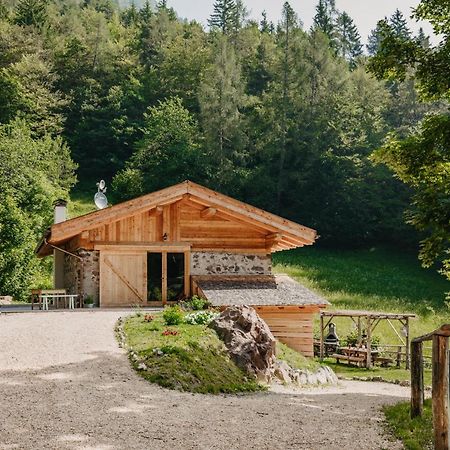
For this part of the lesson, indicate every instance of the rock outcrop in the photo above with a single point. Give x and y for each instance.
(285, 374)
(252, 347)
(249, 340)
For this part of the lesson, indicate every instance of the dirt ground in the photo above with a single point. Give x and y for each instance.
(64, 384)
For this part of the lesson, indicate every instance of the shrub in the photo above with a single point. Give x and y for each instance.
(173, 315)
(201, 317)
(196, 303)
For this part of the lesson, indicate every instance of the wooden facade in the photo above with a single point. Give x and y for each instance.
(141, 252)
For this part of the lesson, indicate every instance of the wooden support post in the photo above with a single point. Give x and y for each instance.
(369, 343)
(440, 393)
(416, 379)
(187, 274)
(359, 332)
(321, 338)
(164, 278)
(407, 344)
(398, 360)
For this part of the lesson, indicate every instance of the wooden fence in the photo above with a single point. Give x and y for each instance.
(440, 383)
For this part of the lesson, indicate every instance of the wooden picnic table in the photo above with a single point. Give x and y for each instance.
(356, 355)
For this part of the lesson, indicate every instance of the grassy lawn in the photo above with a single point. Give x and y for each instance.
(377, 279)
(417, 433)
(194, 360)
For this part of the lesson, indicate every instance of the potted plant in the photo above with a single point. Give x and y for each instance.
(89, 302)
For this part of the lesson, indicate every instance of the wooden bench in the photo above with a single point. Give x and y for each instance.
(349, 358)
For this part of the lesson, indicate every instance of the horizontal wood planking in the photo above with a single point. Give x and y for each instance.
(291, 325)
(181, 222)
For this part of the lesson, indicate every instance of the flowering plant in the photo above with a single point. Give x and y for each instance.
(170, 333)
(200, 317)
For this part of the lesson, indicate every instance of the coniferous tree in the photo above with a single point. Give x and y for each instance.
(221, 100)
(130, 16)
(265, 25)
(423, 39)
(349, 40)
(225, 16)
(324, 18)
(374, 39)
(288, 24)
(31, 12)
(399, 25)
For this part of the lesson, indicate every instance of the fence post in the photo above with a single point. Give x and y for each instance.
(321, 338)
(399, 356)
(407, 344)
(416, 379)
(440, 392)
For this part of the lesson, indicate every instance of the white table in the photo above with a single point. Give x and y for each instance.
(70, 297)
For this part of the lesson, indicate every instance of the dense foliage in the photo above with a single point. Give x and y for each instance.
(276, 115)
(34, 172)
(421, 158)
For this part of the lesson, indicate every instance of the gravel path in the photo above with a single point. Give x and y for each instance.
(64, 384)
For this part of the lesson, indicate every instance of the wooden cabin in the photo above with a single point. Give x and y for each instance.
(155, 249)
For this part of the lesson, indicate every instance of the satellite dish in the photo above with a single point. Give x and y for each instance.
(101, 202)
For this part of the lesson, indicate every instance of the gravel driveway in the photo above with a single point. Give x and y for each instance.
(64, 384)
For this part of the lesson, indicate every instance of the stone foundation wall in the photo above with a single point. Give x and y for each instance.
(83, 276)
(208, 263)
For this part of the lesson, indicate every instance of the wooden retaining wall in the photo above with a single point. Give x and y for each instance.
(292, 325)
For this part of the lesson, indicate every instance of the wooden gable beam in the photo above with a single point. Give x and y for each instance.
(273, 239)
(208, 212)
(217, 200)
(264, 227)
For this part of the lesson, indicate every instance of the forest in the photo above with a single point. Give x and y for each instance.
(311, 124)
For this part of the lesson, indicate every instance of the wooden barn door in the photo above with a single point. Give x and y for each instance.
(123, 278)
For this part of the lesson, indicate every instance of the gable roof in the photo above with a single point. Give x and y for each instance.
(278, 228)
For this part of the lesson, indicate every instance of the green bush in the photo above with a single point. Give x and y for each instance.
(196, 303)
(173, 315)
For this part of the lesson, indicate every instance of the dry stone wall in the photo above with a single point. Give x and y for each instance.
(83, 276)
(209, 263)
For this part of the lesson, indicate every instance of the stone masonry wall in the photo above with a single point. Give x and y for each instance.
(208, 263)
(83, 277)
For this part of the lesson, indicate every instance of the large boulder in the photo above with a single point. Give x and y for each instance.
(252, 347)
(249, 340)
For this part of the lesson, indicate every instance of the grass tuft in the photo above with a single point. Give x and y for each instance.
(417, 433)
(295, 359)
